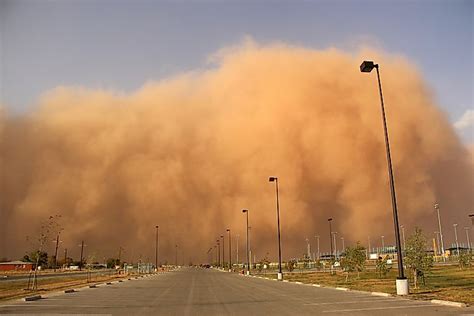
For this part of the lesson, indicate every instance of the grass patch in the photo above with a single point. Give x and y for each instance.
(443, 283)
(16, 288)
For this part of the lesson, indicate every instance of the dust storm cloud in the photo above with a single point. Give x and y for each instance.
(188, 153)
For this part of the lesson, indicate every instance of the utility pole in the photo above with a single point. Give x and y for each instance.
(82, 253)
(56, 252)
(65, 257)
(317, 240)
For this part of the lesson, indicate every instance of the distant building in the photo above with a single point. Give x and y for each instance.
(16, 266)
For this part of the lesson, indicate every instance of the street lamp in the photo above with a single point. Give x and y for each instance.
(402, 282)
(223, 251)
(343, 246)
(383, 244)
(248, 258)
(218, 253)
(308, 248)
(335, 244)
(317, 239)
(438, 247)
(217, 259)
(370, 250)
(230, 251)
(176, 254)
(156, 247)
(280, 274)
(436, 206)
(237, 249)
(467, 237)
(403, 236)
(330, 236)
(456, 236)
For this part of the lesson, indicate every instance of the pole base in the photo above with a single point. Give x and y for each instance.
(402, 286)
(248, 272)
(280, 276)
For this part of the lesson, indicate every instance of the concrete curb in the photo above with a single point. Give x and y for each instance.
(342, 288)
(381, 294)
(32, 298)
(449, 303)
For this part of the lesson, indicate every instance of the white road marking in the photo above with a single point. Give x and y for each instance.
(379, 308)
(350, 302)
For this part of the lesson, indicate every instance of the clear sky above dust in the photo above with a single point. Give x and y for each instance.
(120, 45)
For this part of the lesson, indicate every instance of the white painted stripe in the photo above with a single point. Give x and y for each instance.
(351, 302)
(377, 308)
(317, 285)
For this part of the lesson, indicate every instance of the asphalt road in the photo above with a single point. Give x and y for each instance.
(193, 291)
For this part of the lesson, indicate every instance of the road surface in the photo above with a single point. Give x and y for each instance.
(194, 291)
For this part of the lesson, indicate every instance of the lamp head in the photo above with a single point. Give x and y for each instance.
(228, 229)
(367, 66)
(245, 211)
(329, 219)
(271, 179)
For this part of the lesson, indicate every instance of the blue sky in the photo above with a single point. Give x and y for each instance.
(120, 45)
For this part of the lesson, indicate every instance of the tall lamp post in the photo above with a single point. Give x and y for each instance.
(218, 253)
(403, 236)
(402, 282)
(456, 237)
(330, 236)
(317, 239)
(280, 273)
(436, 206)
(223, 251)
(156, 247)
(230, 251)
(248, 258)
(467, 237)
(176, 254)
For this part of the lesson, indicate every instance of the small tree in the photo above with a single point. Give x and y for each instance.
(291, 265)
(465, 259)
(381, 266)
(112, 262)
(42, 260)
(354, 260)
(417, 259)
